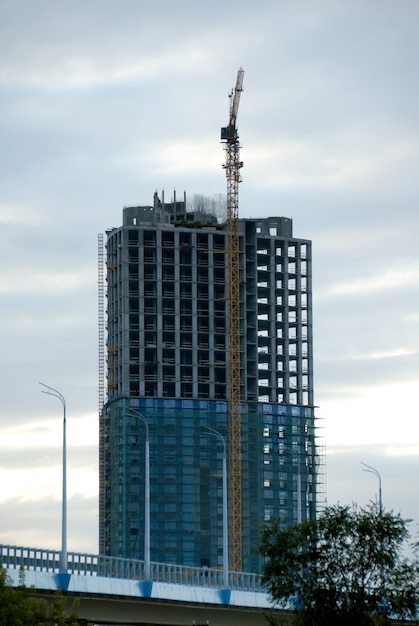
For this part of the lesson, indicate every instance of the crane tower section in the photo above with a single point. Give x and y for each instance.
(230, 136)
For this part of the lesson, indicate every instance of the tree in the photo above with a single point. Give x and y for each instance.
(346, 567)
(19, 605)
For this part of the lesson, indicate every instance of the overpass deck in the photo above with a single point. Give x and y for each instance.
(114, 591)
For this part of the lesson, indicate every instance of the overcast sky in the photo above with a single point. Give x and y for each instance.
(101, 104)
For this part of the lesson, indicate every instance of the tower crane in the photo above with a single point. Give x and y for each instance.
(230, 136)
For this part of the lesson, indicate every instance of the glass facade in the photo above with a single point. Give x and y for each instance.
(185, 479)
(186, 515)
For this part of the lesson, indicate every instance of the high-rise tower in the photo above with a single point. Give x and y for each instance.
(167, 349)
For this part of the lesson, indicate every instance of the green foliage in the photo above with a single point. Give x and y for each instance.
(19, 606)
(346, 567)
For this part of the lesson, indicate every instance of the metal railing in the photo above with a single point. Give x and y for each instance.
(41, 560)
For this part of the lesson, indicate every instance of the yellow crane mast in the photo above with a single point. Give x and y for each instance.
(230, 136)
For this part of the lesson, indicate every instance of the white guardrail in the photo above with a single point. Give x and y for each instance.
(41, 560)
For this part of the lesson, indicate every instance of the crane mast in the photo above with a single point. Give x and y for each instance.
(230, 136)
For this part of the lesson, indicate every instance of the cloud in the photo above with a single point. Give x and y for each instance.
(31, 474)
(101, 104)
(392, 280)
(36, 523)
(368, 413)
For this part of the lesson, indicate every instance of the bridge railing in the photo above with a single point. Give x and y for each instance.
(34, 559)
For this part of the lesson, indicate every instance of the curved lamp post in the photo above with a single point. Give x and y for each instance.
(134, 413)
(63, 564)
(225, 513)
(372, 470)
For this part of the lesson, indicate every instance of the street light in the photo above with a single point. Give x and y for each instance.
(134, 413)
(372, 470)
(56, 394)
(225, 514)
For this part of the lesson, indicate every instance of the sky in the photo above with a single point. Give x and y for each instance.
(101, 104)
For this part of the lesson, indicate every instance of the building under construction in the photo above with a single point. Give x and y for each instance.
(166, 358)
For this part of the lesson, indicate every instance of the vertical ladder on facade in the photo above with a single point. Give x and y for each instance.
(101, 323)
(101, 380)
